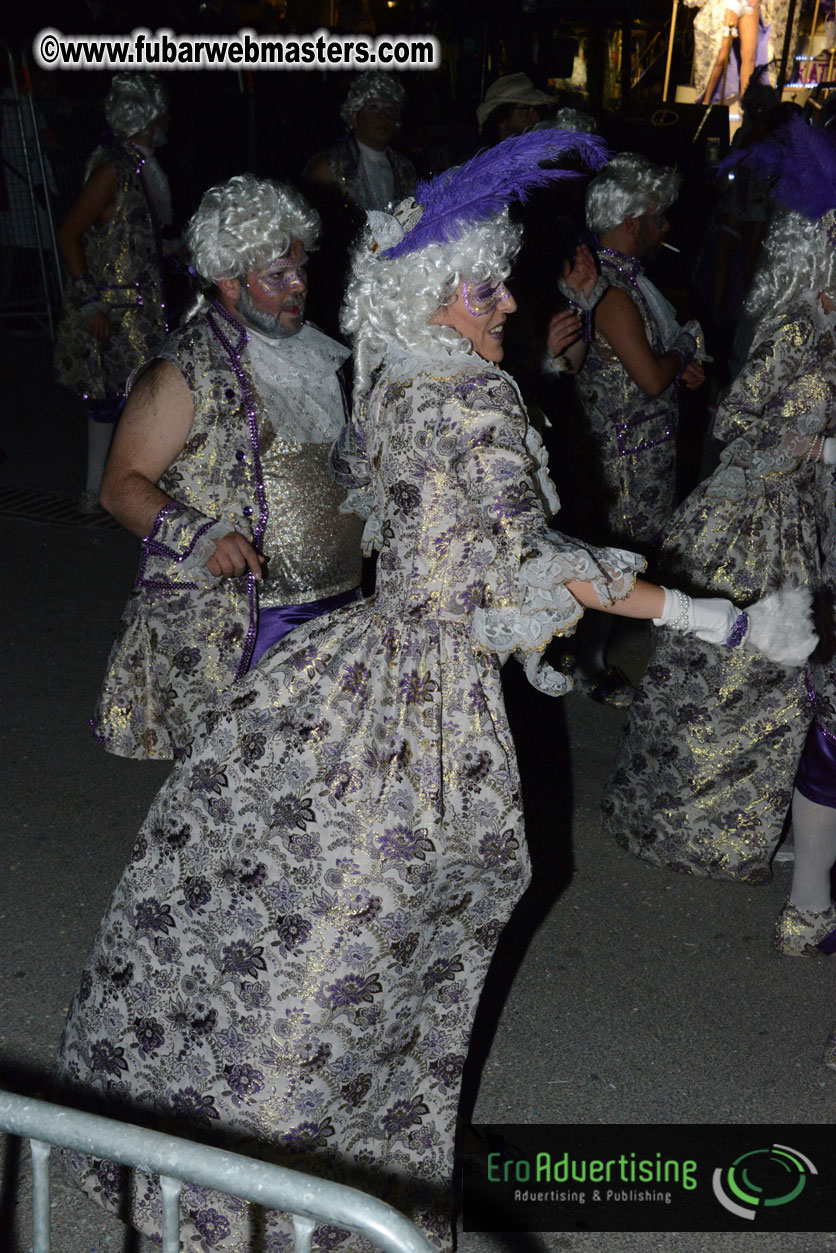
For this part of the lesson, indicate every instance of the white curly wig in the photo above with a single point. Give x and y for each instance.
(246, 223)
(570, 120)
(627, 188)
(133, 103)
(373, 85)
(798, 256)
(391, 302)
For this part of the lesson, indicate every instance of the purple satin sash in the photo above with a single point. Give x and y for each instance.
(274, 624)
(816, 778)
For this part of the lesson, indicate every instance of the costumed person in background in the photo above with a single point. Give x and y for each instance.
(723, 71)
(114, 312)
(360, 172)
(220, 466)
(705, 767)
(330, 867)
(638, 355)
(364, 169)
(511, 106)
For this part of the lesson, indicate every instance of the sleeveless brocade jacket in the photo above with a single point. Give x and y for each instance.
(185, 636)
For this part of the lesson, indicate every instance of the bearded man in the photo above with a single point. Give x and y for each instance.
(220, 466)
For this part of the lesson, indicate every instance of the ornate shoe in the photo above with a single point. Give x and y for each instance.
(830, 1050)
(803, 933)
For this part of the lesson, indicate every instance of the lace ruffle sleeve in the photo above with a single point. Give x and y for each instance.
(528, 600)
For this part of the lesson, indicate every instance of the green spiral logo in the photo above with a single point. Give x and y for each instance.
(762, 1178)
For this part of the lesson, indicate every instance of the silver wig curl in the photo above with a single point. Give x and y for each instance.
(627, 188)
(390, 301)
(798, 256)
(246, 223)
(372, 85)
(133, 103)
(571, 120)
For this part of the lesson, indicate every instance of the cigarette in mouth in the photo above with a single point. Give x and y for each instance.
(672, 247)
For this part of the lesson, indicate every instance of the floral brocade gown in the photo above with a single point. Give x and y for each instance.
(292, 960)
(705, 767)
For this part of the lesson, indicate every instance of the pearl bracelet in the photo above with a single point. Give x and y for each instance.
(680, 622)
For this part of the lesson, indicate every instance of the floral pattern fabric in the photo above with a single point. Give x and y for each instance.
(631, 436)
(125, 264)
(705, 767)
(293, 958)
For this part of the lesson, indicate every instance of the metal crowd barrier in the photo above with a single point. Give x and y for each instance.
(307, 1198)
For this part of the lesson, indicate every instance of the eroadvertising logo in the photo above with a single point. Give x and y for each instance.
(643, 1177)
(762, 1177)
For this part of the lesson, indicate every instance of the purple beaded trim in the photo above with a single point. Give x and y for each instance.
(153, 548)
(739, 631)
(623, 429)
(140, 161)
(811, 695)
(628, 267)
(234, 351)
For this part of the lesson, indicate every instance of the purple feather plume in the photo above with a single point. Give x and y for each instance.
(482, 187)
(799, 163)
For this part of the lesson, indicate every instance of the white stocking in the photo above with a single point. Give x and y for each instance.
(99, 435)
(814, 833)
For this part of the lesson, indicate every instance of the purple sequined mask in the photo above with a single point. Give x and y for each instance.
(480, 299)
(280, 275)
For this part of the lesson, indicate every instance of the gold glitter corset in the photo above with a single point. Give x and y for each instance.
(312, 549)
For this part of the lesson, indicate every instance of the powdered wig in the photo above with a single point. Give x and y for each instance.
(390, 301)
(571, 120)
(373, 85)
(798, 256)
(629, 187)
(247, 223)
(133, 103)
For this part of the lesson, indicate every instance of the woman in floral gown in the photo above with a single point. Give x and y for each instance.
(293, 958)
(704, 774)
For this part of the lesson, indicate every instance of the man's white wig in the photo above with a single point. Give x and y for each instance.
(571, 120)
(629, 187)
(245, 224)
(373, 85)
(133, 103)
(389, 301)
(797, 256)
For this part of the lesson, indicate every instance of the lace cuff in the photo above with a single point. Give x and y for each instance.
(545, 607)
(578, 298)
(175, 552)
(685, 345)
(195, 563)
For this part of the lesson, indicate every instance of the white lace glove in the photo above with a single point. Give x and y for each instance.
(710, 618)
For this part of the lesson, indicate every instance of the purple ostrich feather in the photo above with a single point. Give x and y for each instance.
(799, 163)
(481, 188)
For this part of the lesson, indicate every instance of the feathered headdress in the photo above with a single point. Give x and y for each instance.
(799, 163)
(464, 197)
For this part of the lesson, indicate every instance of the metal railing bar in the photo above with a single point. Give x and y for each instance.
(303, 1229)
(171, 1189)
(264, 1184)
(40, 1194)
